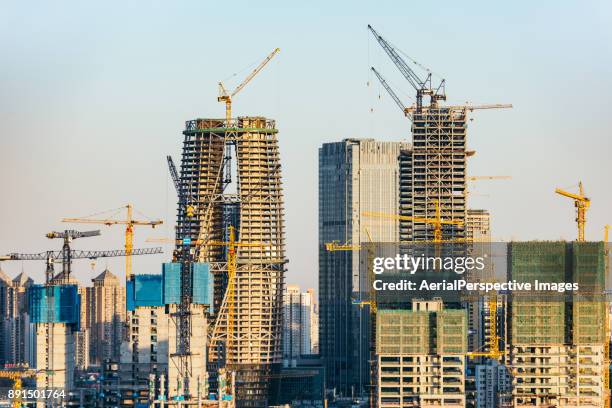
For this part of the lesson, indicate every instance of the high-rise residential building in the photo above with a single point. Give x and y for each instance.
(298, 318)
(146, 355)
(355, 175)
(15, 323)
(478, 226)
(478, 235)
(145, 352)
(434, 171)
(148, 360)
(107, 316)
(5, 283)
(248, 336)
(493, 385)
(314, 323)
(55, 355)
(292, 325)
(82, 344)
(421, 356)
(558, 347)
(80, 332)
(54, 319)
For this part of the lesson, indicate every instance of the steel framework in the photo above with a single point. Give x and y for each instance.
(246, 337)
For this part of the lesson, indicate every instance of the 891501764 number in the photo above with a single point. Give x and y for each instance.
(36, 394)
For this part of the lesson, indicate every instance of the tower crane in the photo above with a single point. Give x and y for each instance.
(398, 102)
(188, 247)
(372, 302)
(66, 255)
(582, 204)
(493, 340)
(183, 196)
(129, 223)
(437, 222)
(606, 231)
(422, 86)
(334, 246)
(226, 96)
(229, 299)
(186, 257)
(17, 376)
(407, 111)
(52, 256)
(68, 236)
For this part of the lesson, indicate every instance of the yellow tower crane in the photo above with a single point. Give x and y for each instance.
(493, 340)
(17, 376)
(229, 299)
(337, 246)
(582, 204)
(437, 222)
(129, 223)
(226, 96)
(606, 231)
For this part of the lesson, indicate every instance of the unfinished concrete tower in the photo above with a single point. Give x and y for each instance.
(246, 337)
(434, 171)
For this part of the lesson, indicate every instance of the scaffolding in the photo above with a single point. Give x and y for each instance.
(251, 345)
(421, 356)
(558, 345)
(434, 171)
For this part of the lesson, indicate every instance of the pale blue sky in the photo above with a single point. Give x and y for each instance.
(92, 98)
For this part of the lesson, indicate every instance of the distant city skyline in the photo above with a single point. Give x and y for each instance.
(93, 97)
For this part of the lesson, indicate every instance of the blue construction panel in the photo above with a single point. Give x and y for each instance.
(202, 280)
(148, 290)
(165, 289)
(54, 304)
(130, 301)
(203, 285)
(171, 276)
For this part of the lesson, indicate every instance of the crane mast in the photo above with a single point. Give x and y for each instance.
(66, 255)
(185, 255)
(68, 236)
(582, 204)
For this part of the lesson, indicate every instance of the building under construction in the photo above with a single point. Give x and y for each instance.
(434, 171)
(246, 337)
(421, 356)
(558, 345)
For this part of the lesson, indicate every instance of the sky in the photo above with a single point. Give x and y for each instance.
(93, 96)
